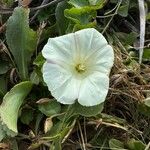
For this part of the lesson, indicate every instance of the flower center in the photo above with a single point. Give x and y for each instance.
(80, 68)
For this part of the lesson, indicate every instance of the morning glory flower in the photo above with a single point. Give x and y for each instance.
(77, 67)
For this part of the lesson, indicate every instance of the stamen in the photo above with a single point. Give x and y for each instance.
(80, 68)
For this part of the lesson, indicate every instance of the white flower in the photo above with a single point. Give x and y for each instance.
(77, 67)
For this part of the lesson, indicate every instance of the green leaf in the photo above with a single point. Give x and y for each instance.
(144, 109)
(80, 16)
(135, 145)
(116, 144)
(62, 21)
(148, 16)
(10, 107)
(86, 111)
(39, 61)
(123, 10)
(4, 66)
(83, 12)
(21, 39)
(146, 54)
(3, 85)
(127, 39)
(26, 116)
(34, 78)
(50, 107)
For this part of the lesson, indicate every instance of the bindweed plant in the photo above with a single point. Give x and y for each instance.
(70, 76)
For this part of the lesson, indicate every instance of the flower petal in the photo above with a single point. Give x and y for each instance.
(55, 75)
(63, 86)
(68, 92)
(102, 60)
(60, 48)
(94, 89)
(88, 41)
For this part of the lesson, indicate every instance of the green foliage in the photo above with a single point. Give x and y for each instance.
(10, 107)
(83, 13)
(144, 107)
(26, 115)
(83, 16)
(127, 38)
(132, 144)
(136, 145)
(116, 144)
(123, 10)
(21, 40)
(7, 2)
(62, 21)
(49, 108)
(34, 78)
(146, 54)
(125, 6)
(3, 85)
(39, 60)
(78, 109)
(4, 65)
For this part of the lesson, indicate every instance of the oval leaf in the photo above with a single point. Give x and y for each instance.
(21, 39)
